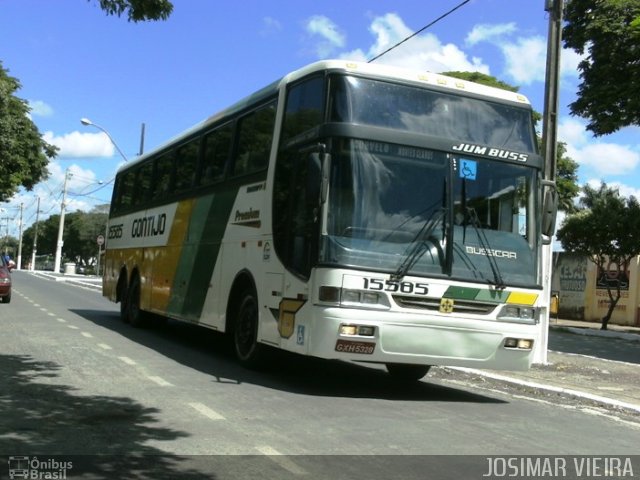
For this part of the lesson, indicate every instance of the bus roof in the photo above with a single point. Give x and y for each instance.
(378, 71)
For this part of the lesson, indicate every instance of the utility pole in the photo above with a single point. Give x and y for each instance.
(552, 81)
(56, 263)
(19, 258)
(550, 149)
(141, 140)
(35, 239)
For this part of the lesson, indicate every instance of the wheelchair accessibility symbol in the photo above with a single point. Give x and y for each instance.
(468, 169)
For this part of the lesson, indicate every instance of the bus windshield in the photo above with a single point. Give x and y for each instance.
(458, 217)
(434, 113)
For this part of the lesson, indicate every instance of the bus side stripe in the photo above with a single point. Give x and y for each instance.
(199, 255)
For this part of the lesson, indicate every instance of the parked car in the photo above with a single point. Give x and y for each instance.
(5, 279)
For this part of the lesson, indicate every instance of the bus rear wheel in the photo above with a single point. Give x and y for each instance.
(249, 352)
(406, 372)
(122, 295)
(135, 316)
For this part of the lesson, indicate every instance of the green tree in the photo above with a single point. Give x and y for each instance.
(608, 32)
(80, 232)
(566, 178)
(138, 10)
(47, 237)
(566, 167)
(24, 155)
(604, 230)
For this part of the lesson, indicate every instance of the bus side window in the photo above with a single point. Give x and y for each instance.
(163, 176)
(143, 178)
(255, 132)
(216, 151)
(126, 190)
(186, 165)
(305, 107)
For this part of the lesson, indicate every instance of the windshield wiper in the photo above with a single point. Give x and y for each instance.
(419, 244)
(472, 215)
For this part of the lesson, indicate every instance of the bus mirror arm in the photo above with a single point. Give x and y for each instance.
(549, 210)
(319, 168)
(324, 182)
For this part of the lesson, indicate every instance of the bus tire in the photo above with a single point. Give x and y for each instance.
(249, 352)
(135, 316)
(407, 373)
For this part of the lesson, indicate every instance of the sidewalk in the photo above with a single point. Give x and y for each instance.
(604, 382)
(93, 282)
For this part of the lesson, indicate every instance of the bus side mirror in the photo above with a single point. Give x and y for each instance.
(549, 210)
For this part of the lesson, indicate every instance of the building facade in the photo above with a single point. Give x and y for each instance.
(582, 289)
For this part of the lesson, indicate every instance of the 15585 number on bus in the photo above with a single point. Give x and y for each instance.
(381, 284)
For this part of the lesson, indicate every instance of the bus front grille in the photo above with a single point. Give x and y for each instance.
(459, 306)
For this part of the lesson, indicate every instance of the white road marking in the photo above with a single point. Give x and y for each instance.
(280, 459)
(206, 411)
(160, 381)
(127, 360)
(61, 320)
(73, 327)
(104, 346)
(86, 334)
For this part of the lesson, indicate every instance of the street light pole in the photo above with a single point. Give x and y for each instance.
(56, 263)
(87, 122)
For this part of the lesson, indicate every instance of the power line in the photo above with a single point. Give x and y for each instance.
(444, 15)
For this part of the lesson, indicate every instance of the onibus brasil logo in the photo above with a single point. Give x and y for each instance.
(33, 468)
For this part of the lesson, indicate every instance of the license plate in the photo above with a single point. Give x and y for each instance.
(348, 346)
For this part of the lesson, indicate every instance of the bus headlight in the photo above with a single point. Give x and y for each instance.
(518, 343)
(518, 314)
(347, 297)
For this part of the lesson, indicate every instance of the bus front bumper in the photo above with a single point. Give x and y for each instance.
(381, 337)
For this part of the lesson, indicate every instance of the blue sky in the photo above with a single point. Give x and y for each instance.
(74, 61)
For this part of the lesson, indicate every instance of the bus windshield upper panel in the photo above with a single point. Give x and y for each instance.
(429, 112)
(412, 211)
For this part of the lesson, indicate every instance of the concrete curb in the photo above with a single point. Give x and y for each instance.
(551, 388)
(631, 337)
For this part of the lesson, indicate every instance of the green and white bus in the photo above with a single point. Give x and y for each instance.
(347, 211)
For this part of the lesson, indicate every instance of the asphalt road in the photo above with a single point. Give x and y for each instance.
(608, 348)
(170, 402)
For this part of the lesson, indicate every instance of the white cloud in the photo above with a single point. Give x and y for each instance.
(569, 61)
(328, 31)
(573, 132)
(525, 57)
(485, 32)
(604, 158)
(40, 108)
(81, 145)
(625, 190)
(423, 52)
(525, 60)
(607, 158)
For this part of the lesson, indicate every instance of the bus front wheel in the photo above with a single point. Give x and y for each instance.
(407, 373)
(249, 352)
